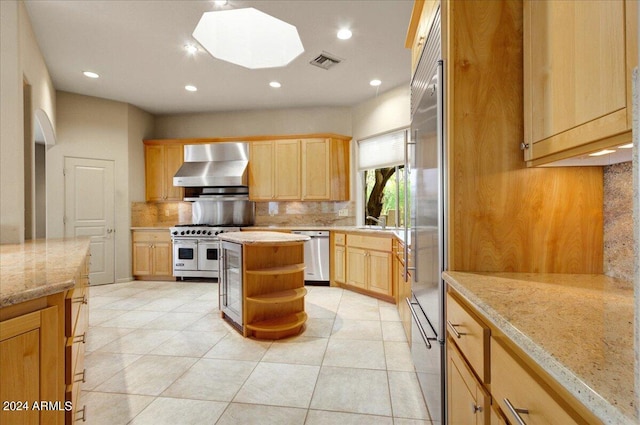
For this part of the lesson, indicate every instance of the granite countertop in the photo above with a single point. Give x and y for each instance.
(257, 237)
(39, 268)
(157, 227)
(579, 328)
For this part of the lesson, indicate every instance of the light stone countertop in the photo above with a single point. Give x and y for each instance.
(258, 237)
(579, 328)
(39, 268)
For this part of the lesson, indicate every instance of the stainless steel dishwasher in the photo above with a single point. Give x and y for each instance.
(316, 256)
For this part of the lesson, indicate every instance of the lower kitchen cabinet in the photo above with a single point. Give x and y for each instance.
(368, 263)
(469, 402)
(152, 254)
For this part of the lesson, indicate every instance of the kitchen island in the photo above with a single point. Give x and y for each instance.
(575, 330)
(43, 319)
(264, 290)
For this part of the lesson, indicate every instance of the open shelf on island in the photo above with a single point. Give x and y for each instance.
(280, 296)
(291, 268)
(278, 327)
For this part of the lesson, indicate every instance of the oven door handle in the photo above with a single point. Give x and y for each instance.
(185, 242)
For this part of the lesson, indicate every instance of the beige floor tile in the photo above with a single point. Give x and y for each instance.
(318, 312)
(389, 312)
(355, 353)
(398, 356)
(211, 379)
(357, 329)
(234, 346)
(298, 350)
(255, 414)
(197, 307)
(98, 337)
(358, 311)
(210, 322)
(393, 331)
(149, 375)
(277, 384)
(323, 417)
(173, 321)
(162, 304)
(406, 398)
(172, 411)
(352, 390)
(139, 341)
(132, 319)
(98, 316)
(102, 366)
(188, 344)
(404, 421)
(316, 327)
(112, 409)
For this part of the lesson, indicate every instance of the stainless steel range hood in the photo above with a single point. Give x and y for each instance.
(214, 165)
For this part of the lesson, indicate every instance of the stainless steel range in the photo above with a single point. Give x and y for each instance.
(196, 249)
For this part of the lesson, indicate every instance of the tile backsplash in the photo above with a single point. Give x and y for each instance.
(618, 221)
(151, 214)
(304, 213)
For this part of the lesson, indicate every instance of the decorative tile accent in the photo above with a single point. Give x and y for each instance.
(304, 213)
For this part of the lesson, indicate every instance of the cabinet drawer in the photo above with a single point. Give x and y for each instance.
(511, 380)
(339, 238)
(75, 305)
(369, 242)
(151, 236)
(77, 412)
(470, 335)
(74, 361)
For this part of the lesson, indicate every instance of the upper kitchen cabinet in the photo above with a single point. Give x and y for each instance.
(578, 60)
(314, 169)
(162, 161)
(422, 17)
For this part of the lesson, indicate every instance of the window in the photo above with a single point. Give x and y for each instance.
(381, 162)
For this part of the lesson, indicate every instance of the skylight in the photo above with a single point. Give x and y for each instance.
(249, 38)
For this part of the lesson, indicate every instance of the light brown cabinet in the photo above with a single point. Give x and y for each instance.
(480, 359)
(339, 267)
(469, 402)
(368, 262)
(419, 29)
(404, 287)
(152, 254)
(162, 161)
(312, 169)
(578, 62)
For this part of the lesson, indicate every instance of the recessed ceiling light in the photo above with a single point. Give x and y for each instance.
(344, 34)
(627, 146)
(602, 152)
(190, 88)
(220, 3)
(191, 49)
(275, 84)
(90, 74)
(375, 83)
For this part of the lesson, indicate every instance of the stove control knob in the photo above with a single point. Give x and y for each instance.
(182, 233)
(209, 233)
(175, 232)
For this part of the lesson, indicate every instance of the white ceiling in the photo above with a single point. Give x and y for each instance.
(137, 48)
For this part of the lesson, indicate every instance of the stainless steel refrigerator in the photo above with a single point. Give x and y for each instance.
(428, 203)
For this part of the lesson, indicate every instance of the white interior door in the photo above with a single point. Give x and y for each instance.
(89, 211)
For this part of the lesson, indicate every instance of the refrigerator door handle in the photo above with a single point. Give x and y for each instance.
(423, 334)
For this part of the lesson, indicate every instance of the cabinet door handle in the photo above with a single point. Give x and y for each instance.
(80, 338)
(453, 329)
(84, 414)
(82, 300)
(475, 408)
(515, 412)
(83, 375)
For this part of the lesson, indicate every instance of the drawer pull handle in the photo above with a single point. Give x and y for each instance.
(84, 414)
(80, 338)
(515, 412)
(82, 300)
(83, 374)
(453, 329)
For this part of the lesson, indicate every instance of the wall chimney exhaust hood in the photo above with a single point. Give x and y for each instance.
(214, 165)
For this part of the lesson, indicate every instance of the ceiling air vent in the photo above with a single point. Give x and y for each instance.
(325, 60)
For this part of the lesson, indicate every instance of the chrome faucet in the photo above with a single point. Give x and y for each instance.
(382, 221)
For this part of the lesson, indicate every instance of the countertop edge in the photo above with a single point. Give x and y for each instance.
(593, 401)
(35, 293)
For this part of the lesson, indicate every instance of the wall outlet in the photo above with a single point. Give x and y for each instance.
(344, 212)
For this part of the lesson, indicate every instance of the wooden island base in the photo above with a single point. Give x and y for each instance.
(273, 283)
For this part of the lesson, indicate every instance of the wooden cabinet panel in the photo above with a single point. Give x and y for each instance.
(470, 335)
(380, 277)
(468, 402)
(577, 75)
(287, 179)
(152, 254)
(339, 265)
(513, 382)
(261, 174)
(316, 179)
(357, 267)
(161, 164)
